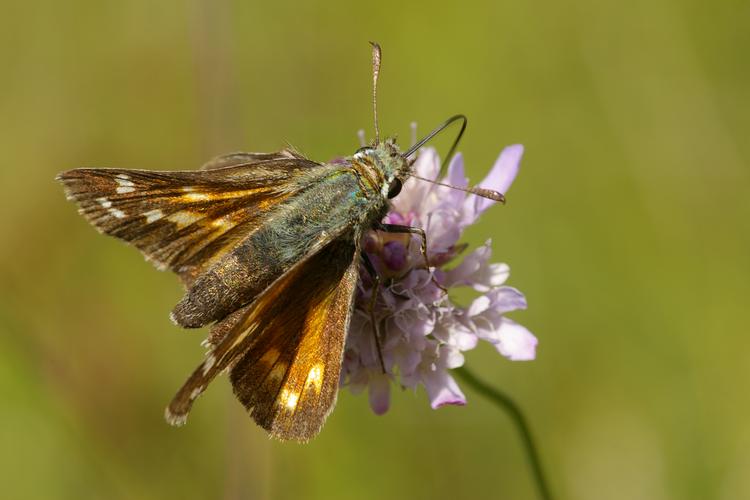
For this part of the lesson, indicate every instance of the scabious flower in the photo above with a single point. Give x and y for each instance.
(423, 333)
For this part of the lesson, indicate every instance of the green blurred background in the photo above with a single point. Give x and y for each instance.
(627, 229)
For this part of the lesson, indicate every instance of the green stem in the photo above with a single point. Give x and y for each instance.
(506, 404)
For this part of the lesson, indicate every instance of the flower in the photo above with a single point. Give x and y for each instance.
(423, 334)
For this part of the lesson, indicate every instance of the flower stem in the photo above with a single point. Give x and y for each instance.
(509, 406)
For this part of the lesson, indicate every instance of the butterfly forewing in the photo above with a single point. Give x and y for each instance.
(284, 350)
(185, 220)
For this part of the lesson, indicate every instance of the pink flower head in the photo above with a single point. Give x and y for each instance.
(423, 333)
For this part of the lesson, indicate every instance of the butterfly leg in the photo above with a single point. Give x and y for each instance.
(397, 228)
(371, 306)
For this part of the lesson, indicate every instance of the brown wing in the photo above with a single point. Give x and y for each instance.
(185, 220)
(284, 350)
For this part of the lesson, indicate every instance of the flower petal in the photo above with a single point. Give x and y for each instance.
(414, 326)
(407, 357)
(500, 178)
(461, 274)
(501, 300)
(442, 389)
(451, 358)
(456, 176)
(415, 192)
(494, 275)
(443, 230)
(506, 299)
(379, 393)
(428, 163)
(474, 271)
(479, 305)
(516, 342)
(455, 334)
(449, 197)
(504, 170)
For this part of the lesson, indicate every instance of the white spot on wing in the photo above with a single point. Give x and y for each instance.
(104, 202)
(289, 399)
(224, 223)
(153, 215)
(195, 197)
(196, 392)
(124, 184)
(172, 419)
(124, 180)
(117, 213)
(315, 377)
(209, 363)
(184, 218)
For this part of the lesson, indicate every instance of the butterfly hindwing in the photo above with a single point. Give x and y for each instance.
(291, 396)
(284, 350)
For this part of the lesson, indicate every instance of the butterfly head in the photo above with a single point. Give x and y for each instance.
(391, 167)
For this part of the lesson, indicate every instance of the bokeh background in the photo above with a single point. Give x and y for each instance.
(627, 229)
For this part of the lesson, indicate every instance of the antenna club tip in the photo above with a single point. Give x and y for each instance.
(489, 194)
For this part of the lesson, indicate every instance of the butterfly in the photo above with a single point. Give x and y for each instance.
(267, 246)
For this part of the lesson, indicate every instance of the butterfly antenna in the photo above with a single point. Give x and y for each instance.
(435, 132)
(490, 194)
(376, 55)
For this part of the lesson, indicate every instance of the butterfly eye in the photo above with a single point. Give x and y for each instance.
(394, 189)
